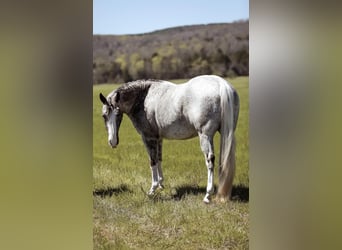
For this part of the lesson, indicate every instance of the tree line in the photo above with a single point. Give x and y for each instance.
(174, 53)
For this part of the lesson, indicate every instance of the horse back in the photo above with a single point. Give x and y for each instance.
(181, 111)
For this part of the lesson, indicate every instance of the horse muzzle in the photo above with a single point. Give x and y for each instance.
(113, 143)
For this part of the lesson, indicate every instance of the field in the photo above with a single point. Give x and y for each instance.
(125, 217)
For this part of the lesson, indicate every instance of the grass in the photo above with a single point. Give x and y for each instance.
(175, 218)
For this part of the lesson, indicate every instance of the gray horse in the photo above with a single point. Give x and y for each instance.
(161, 109)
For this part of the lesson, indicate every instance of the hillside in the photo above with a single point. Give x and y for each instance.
(180, 52)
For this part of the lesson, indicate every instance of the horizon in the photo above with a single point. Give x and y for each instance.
(173, 27)
(132, 17)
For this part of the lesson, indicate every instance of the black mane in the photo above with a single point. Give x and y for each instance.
(134, 94)
(139, 85)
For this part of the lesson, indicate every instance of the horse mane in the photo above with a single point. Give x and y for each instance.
(137, 86)
(134, 93)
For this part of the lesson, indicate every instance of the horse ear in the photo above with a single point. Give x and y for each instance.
(103, 99)
(116, 97)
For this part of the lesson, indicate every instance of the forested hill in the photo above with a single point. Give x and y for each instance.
(180, 52)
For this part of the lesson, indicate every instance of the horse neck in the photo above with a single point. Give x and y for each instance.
(133, 97)
(136, 112)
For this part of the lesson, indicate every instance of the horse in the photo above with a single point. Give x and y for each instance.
(163, 110)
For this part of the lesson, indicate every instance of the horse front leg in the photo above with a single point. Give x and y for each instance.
(151, 145)
(159, 164)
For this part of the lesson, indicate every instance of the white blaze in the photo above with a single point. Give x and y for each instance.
(111, 123)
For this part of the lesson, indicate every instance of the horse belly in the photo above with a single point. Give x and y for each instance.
(178, 131)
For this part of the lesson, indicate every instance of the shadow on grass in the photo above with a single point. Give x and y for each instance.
(184, 190)
(239, 193)
(112, 191)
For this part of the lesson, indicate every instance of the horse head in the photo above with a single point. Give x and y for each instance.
(112, 116)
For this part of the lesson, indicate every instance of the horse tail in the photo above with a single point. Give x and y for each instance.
(229, 116)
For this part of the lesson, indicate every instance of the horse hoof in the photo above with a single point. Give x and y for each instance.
(206, 200)
(151, 193)
(222, 199)
(161, 186)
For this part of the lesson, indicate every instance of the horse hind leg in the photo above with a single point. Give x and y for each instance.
(208, 151)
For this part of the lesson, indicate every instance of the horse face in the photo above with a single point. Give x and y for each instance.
(112, 117)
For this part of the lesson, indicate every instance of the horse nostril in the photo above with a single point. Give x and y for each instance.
(110, 144)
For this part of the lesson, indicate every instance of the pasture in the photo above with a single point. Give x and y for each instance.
(125, 217)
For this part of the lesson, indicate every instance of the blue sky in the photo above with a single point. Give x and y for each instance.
(138, 16)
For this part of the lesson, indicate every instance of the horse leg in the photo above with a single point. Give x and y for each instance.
(160, 172)
(152, 150)
(207, 147)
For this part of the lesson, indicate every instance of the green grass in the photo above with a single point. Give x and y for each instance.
(175, 218)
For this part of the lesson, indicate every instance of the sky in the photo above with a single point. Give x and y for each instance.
(120, 17)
